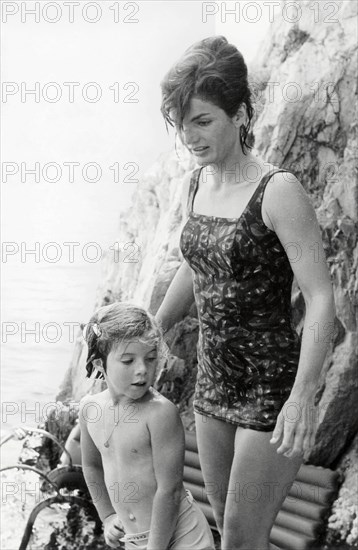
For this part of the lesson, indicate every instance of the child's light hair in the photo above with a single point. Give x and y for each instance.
(118, 322)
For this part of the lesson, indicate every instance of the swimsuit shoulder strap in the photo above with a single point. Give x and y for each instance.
(257, 206)
(268, 176)
(259, 193)
(193, 187)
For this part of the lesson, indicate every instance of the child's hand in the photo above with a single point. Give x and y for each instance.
(113, 531)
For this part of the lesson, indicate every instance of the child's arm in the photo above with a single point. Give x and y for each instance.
(94, 476)
(73, 446)
(168, 446)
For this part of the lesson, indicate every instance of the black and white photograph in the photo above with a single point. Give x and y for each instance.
(179, 215)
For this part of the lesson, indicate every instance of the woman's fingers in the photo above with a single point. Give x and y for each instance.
(284, 431)
(287, 438)
(309, 439)
(278, 431)
(297, 444)
(294, 428)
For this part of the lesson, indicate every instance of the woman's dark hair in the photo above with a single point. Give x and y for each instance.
(214, 71)
(115, 323)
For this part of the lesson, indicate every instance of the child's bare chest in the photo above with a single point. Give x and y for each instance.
(122, 431)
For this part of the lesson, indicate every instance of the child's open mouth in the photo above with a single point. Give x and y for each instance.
(139, 384)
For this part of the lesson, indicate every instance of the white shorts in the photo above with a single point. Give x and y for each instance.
(192, 531)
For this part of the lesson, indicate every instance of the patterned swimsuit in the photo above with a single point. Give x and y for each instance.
(248, 350)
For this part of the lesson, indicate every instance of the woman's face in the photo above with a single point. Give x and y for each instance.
(209, 134)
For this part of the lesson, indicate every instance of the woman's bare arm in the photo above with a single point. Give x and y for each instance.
(293, 219)
(180, 295)
(178, 299)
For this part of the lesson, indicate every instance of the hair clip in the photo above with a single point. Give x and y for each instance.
(96, 330)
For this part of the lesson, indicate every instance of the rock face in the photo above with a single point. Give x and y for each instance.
(305, 86)
(307, 124)
(343, 522)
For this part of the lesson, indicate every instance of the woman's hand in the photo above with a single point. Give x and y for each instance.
(295, 426)
(113, 531)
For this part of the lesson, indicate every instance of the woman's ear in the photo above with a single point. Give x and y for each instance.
(98, 364)
(241, 116)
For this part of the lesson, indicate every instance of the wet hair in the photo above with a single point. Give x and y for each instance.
(115, 323)
(212, 70)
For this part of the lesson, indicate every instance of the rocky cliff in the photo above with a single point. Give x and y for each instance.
(305, 89)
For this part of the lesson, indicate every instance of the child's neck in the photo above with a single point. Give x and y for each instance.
(124, 400)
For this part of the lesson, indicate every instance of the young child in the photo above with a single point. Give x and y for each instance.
(132, 439)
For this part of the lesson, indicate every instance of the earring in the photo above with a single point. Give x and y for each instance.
(97, 363)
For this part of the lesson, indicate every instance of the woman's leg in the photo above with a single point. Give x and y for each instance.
(259, 482)
(216, 444)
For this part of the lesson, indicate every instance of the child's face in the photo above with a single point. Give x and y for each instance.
(131, 367)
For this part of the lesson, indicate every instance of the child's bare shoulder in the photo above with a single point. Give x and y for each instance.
(164, 424)
(94, 398)
(158, 400)
(92, 401)
(159, 407)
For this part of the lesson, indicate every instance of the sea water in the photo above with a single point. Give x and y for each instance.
(43, 299)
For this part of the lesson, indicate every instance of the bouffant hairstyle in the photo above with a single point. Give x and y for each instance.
(115, 323)
(212, 70)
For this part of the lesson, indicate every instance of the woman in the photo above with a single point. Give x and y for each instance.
(249, 229)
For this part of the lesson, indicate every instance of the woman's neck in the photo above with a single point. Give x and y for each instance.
(242, 170)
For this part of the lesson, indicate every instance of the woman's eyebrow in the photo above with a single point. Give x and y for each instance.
(198, 116)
